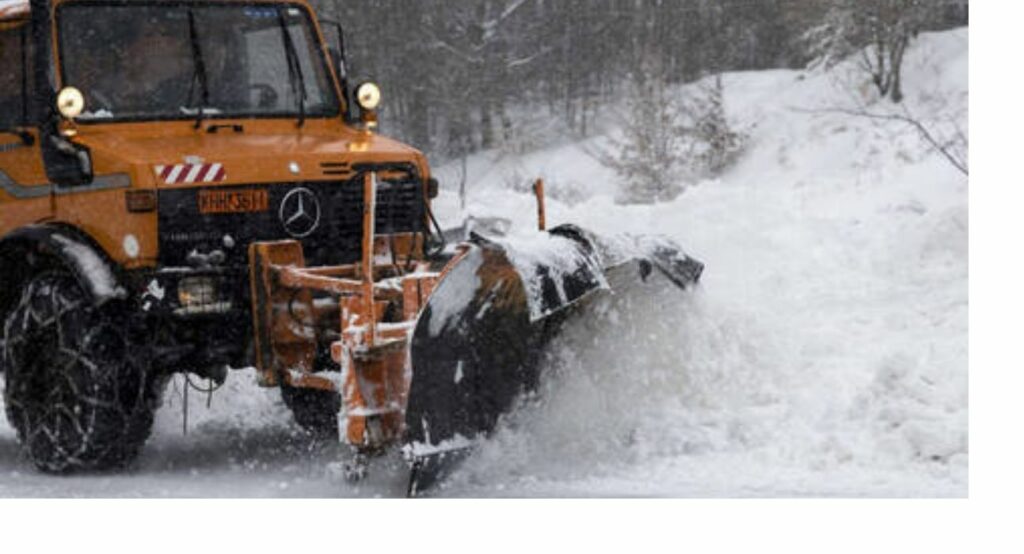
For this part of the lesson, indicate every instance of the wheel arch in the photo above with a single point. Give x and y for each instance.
(99, 276)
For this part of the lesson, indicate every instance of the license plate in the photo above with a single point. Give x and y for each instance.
(233, 201)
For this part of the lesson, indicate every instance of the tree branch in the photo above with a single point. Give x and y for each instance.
(956, 162)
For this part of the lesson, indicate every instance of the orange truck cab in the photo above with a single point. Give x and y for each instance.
(144, 145)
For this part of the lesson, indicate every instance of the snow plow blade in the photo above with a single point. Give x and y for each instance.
(478, 342)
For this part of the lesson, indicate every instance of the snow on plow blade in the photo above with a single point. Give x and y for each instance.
(478, 342)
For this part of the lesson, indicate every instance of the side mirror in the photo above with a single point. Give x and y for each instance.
(339, 60)
(67, 163)
(336, 47)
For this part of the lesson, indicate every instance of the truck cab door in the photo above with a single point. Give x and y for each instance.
(24, 188)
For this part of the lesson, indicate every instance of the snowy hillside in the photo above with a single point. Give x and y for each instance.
(825, 353)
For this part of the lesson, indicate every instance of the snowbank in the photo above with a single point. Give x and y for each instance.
(826, 353)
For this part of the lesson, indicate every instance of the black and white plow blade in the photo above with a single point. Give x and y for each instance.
(479, 341)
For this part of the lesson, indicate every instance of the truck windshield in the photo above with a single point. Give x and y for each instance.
(145, 61)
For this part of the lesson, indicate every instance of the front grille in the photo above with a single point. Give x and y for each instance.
(399, 210)
(337, 239)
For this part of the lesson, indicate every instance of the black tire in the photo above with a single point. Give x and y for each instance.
(316, 411)
(77, 388)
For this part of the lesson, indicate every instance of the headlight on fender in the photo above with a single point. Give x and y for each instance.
(368, 96)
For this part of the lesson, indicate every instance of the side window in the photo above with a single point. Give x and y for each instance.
(12, 77)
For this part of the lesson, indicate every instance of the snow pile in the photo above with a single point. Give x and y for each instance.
(826, 353)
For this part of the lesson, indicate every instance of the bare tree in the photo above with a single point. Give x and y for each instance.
(951, 145)
(462, 76)
(670, 140)
(716, 144)
(880, 30)
(650, 157)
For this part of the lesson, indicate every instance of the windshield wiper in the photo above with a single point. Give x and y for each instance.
(200, 72)
(298, 83)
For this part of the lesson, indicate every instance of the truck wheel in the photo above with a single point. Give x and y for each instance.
(316, 411)
(76, 388)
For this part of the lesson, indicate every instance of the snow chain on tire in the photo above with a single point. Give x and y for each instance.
(77, 387)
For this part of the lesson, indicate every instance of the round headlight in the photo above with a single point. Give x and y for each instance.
(368, 96)
(70, 102)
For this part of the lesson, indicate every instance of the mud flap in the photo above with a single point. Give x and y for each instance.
(478, 343)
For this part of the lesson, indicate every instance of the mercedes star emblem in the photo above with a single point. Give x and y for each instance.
(300, 212)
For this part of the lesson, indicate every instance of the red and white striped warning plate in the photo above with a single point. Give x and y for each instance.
(190, 173)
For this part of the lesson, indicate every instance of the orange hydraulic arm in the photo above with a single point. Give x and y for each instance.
(376, 305)
(538, 191)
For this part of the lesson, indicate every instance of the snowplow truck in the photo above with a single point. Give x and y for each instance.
(188, 187)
